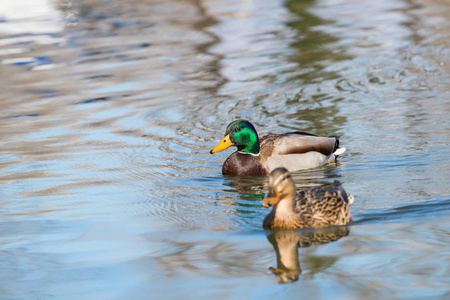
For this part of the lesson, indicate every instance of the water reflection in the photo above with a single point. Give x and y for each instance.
(313, 51)
(246, 193)
(287, 242)
(109, 109)
(254, 187)
(249, 188)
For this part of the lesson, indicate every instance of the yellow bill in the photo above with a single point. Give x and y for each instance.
(272, 197)
(224, 144)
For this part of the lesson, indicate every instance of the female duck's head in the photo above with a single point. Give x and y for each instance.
(281, 186)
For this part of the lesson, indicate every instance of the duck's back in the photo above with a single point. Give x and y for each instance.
(297, 143)
(322, 207)
(297, 150)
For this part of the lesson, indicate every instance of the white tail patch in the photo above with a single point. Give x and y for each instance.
(350, 198)
(339, 151)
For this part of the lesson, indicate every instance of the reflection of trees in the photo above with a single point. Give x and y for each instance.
(251, 190)
(208, 256)
(312, 51)
(312, 46)
(286, 242)
(248, 188)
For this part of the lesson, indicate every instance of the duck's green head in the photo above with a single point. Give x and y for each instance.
(241, 134)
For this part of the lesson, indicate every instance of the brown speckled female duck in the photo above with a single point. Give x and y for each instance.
(293, 150)
(313, 208)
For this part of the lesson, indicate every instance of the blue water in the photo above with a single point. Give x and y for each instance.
(109, 110)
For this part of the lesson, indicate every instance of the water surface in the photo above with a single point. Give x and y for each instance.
(110, 108)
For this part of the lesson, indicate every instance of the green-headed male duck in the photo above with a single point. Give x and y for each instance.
(293, 150)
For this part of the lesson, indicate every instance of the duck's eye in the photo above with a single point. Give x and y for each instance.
(238, 128)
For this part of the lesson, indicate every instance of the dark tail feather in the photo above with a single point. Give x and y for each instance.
(347, 197)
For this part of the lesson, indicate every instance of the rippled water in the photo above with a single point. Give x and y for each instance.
(109, 110)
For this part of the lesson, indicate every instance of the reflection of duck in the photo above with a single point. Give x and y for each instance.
(294, 150)
(286, 242)
(254, 187)
(314, 208)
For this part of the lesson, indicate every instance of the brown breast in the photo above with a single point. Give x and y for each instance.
(244, 165)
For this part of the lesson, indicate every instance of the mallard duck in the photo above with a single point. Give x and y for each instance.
(313, 208)
(293, 150)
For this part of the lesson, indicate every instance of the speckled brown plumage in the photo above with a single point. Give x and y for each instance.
(313, 208)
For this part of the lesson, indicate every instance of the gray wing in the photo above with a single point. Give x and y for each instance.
(299, 142)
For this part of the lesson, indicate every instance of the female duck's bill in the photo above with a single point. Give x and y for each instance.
(272, 197)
